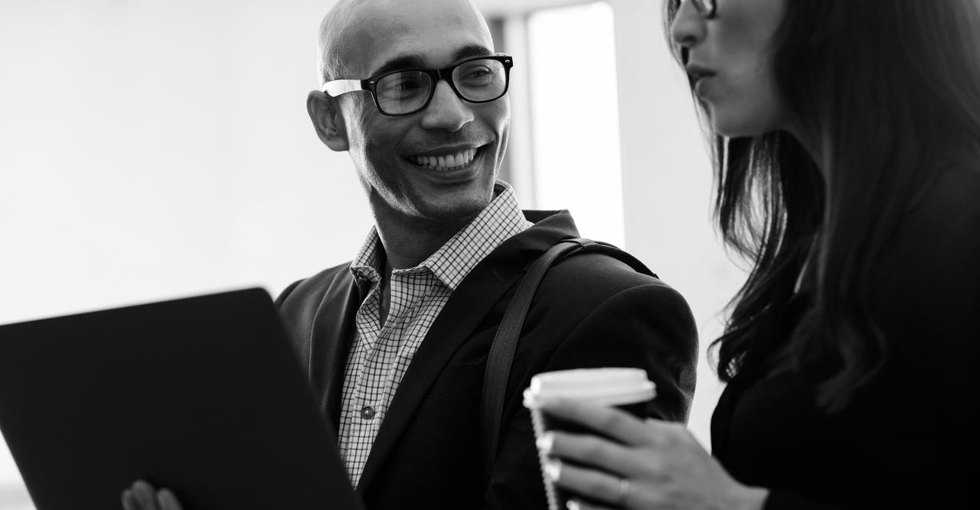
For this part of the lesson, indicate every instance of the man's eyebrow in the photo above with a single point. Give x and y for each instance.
(472, 50)
(399, 63)
(415, 61)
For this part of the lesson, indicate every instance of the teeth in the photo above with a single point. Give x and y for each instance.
(448, 161)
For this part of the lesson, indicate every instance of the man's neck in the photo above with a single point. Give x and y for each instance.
(409, 243)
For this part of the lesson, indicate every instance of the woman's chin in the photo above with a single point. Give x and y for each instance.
(740, 124)
(739, 128)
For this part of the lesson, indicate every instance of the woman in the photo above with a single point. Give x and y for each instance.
(848, 170)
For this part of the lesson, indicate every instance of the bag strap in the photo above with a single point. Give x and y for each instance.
(505, 341)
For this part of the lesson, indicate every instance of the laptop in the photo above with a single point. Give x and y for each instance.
(202, 395)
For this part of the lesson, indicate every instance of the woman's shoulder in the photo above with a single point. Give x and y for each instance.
(930, 270)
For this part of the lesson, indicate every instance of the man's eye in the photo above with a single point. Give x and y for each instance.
(479, 73)
(476, 75)
(408, 85)
(401, 86)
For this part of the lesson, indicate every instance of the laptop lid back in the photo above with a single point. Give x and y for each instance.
(202, 395)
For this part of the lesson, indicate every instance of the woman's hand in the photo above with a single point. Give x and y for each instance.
(142, 496)
(658, 464)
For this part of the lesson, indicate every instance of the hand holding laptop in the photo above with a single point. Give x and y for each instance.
(142, 496)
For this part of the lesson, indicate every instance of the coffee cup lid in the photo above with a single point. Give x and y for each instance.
(601, 386)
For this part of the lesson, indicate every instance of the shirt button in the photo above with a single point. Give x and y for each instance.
(367, 413)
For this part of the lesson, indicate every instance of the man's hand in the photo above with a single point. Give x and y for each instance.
(142, 496)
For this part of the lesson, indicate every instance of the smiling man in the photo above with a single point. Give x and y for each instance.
(395, 342)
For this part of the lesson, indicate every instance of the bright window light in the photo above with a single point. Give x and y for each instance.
(575, 127)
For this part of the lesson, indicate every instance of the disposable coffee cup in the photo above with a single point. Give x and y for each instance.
(627, 389)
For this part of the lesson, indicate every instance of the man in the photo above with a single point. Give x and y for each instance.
(396, 342)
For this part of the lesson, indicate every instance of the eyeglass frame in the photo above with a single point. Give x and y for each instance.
(706, 8)
(336, 88)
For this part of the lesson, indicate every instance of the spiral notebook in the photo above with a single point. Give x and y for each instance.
(202, 395)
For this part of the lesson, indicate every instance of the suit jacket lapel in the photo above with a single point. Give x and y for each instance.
(468, 305)
(333, 329)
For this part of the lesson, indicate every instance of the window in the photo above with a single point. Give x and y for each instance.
(575, 121)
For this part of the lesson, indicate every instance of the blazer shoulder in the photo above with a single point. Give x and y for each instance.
(595, 310)
(304, 296)
(604, 276)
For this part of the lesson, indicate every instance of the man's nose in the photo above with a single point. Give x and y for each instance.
(446, 110)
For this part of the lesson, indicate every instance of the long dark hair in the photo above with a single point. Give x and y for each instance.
(893, 89)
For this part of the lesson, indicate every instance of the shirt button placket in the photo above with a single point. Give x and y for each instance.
(367, 413)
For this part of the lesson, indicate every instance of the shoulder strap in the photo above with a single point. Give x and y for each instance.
(505, 341)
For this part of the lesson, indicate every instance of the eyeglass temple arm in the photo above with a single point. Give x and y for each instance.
(337, 87)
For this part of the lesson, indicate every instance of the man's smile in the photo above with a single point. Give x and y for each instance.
(448, 159)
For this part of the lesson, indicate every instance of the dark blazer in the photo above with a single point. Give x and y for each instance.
(909, 439)
(589, 311)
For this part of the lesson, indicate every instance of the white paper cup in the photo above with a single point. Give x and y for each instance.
(624, 388)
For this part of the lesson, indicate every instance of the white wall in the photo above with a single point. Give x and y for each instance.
(151, 149)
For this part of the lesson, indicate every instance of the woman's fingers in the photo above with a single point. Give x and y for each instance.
(596, 485)
(578, 504)
(612, 422)
(589, 450)
(647, 464)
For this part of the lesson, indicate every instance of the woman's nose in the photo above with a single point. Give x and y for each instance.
(688, 26)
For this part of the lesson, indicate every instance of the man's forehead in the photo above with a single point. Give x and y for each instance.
(408, 60)
(433, 33)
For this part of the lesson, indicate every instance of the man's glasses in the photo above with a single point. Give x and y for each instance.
(706, 8)
(476, 80)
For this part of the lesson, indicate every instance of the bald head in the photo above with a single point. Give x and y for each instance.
(356, 33)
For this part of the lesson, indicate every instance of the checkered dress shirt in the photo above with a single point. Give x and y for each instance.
(380, 353)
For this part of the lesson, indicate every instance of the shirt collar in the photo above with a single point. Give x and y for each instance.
(500, 220)
(367, 265)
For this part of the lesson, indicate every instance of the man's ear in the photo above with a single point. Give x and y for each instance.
(327, 120)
